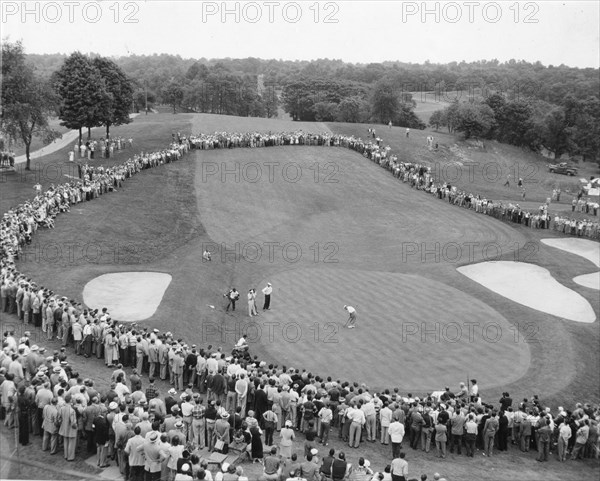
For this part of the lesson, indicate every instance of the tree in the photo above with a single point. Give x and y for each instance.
(297, 100)
(325, 111)
(474, 119)
(451, 116)
(27, 101)
(84, 98)
(406, 117)
(120, 94)
(437, 119)
(513, 122)
(173, 95)
(555, 132)
(353, 109)
(385, 102)
(270, 101)
(583, 120)
(140, 96)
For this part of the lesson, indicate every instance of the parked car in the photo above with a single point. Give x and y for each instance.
(563, 168)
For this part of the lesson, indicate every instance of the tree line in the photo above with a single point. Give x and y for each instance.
(571, 128)
(518, 102)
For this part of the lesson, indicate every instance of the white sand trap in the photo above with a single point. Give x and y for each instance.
(531, 286)
(129, 296)
(589, 280)
(581, 247)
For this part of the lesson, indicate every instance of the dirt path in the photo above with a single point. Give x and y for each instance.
(58, 144)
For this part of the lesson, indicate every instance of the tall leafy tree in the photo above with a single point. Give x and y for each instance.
(513, 122)
(84, 98)
(474, 119)
(120, 93)
(555, 133)
(385, 102)
(173, 95)
(27, 101)
(437, 119)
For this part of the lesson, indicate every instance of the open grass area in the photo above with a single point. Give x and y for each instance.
(327, 227)
(479, 170)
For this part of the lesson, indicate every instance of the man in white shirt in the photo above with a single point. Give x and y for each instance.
(385, 418)
(357, 420)
(399, 467)
(474, 390)
(267, 291)
(212, 365)
(352, 318)
(396, 432)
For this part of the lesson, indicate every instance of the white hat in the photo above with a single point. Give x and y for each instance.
(172, 392)
(314, 451)
(113, 405)
(35, 347)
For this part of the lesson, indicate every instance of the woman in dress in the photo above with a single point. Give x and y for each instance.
(287, 440)
(111, 349)
(257, 445)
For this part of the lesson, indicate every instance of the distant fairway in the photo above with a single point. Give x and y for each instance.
(344, 232)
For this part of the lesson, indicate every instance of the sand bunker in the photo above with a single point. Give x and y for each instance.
(531, 286)
(129, 296)
(581, 247)
(589, 280)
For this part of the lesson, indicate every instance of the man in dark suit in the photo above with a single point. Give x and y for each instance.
(544, 435)
(505, 401)
(260, 404)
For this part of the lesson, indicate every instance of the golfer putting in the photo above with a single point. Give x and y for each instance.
(352, 318)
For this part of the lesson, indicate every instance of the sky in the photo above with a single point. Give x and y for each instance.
(551, 32)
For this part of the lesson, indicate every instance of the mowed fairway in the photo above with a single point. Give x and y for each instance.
(327, 228)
